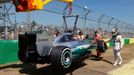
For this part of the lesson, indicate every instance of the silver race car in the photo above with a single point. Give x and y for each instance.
(61, 51)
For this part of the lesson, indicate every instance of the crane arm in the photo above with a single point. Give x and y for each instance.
(30, 5)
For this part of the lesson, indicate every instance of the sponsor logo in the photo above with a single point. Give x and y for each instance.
(82, 46)
(39, 40)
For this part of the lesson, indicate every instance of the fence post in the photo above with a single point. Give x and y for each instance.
(99, 20)
(85, 17)
(109, 23)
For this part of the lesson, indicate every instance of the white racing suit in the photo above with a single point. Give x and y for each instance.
(117, 47)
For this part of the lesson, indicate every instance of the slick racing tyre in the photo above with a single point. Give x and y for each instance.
(61, 56)
(22, 53)
(102, 46)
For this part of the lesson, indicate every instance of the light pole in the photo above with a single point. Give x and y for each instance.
(85, 17)
(109, 23)
(15, 27)
(29, 21)
(116, 24)
(86, 11)
(121, 29)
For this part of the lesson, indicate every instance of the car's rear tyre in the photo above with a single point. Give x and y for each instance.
(22, 53)
(61, 56)
(27, 49)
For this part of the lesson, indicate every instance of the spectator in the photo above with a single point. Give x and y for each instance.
(56, 33)
(80, 36)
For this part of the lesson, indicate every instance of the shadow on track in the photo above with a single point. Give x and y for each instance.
(107, 61)
(93, 57)
(46, 70)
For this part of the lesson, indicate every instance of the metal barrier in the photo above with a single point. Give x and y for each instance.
(126, 41)
(8, 51)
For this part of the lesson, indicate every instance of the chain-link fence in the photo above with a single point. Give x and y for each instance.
(52, 16)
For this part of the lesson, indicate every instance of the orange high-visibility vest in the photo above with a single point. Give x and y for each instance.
(99, 37)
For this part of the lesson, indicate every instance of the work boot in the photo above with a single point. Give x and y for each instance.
(120, 63)
(115, 63)
(99, 58)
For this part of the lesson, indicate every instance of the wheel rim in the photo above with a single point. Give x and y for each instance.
(66, 58)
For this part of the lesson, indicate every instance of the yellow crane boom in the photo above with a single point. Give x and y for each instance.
(30, 5)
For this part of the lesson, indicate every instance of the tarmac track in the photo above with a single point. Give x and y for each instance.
(89, 67)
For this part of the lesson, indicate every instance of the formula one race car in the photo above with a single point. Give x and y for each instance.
(62, 51)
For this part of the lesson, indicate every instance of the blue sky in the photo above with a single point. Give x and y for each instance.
(120, 9)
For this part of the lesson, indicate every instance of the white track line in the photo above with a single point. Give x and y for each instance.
(126, 69)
